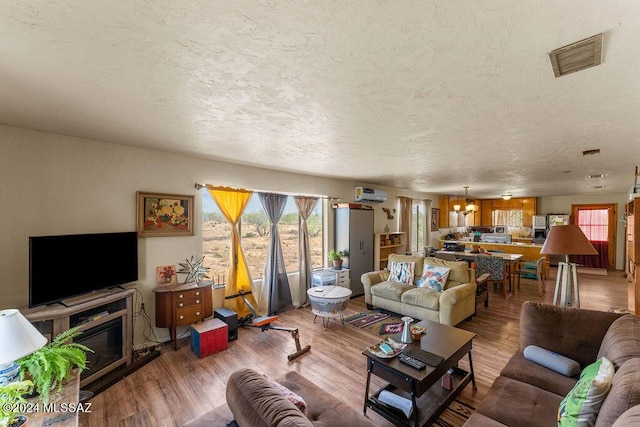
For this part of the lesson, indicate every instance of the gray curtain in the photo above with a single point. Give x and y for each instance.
(305, 205)
(275, 295)
(406, 216)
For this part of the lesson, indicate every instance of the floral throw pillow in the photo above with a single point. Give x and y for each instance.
(434, 277)
(402, 272)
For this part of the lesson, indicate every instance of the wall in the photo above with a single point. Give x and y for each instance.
(53, 184)
(562, 204)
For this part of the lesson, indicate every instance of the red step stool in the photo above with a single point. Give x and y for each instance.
(208, 337)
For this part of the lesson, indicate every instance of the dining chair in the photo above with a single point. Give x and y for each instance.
(533, 269)
(497, 269)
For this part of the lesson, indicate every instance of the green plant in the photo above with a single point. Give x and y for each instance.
(334, 255)
(51, 365)
(11, 395)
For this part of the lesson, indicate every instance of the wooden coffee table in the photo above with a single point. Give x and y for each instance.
(423, 386)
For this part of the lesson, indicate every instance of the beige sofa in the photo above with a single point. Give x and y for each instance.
(454, 304)
(528, 394)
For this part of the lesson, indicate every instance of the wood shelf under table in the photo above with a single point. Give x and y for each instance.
(429, 406)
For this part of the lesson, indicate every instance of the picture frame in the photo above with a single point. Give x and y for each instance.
(166, 275)
(435, 219)
(164, 215)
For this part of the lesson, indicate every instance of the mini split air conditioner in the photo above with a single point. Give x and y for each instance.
(364, 194)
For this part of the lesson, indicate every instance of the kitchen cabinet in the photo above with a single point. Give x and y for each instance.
(633, 253)
(485, 208)
(354, 236)
(529, 206)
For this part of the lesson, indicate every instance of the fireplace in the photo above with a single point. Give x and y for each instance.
(106, 342)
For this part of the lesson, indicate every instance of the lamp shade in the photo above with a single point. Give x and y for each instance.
(18, 337)
(567, 240)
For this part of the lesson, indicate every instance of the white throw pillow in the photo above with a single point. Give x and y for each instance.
(434, 277)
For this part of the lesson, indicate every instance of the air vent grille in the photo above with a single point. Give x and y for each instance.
(577, 56)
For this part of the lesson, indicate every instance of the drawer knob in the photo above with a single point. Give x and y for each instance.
(198, 313)
(180, 296)
(181, 317)
(197, 293)
(180, 305)
(197, 301)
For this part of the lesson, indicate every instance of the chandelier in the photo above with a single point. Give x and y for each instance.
(469, 206)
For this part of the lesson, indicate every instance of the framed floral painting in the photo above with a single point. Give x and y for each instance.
(166, 275)
(164, 215)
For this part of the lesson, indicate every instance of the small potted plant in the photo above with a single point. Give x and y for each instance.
(49, 367)
(11, 396)
(336, 258)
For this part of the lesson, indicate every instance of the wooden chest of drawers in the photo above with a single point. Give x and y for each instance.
(181, 305)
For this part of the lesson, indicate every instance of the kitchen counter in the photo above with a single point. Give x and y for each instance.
(529, 251)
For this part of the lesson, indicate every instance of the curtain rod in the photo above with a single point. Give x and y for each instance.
(201, 186)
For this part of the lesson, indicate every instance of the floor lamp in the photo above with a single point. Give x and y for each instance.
(567, 240)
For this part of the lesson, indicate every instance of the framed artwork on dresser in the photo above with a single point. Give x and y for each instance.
(164, 215)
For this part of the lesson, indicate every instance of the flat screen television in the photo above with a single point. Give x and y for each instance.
(62, 267)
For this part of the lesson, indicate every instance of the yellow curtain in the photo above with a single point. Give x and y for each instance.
(232, 203)
(406, 218)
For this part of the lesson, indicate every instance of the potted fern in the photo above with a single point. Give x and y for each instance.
(51, 366)
(11, 396)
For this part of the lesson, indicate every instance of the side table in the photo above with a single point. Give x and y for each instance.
(329, 302)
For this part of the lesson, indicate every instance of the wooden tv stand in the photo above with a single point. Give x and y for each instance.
(94, 315)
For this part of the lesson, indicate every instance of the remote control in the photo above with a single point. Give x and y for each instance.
(414, 363)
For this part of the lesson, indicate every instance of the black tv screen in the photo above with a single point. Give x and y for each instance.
(61, 267)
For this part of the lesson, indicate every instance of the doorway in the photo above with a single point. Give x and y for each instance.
(598, 222)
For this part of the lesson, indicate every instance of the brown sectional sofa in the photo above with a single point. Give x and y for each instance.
(255, 402)
(528, 394)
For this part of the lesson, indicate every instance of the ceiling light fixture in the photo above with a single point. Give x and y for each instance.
(469, 207)
(506, 197)
(597, 175)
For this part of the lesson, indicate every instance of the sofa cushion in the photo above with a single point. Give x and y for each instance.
(515, 403)
(624, 394)
(422, 297)
(390, 290)
(419, 263)
(521, 369)
(255, 402)
(324, 408)
(459, 270)
(292, 397)
(402, 272)
(434, 277)
(631, 418)
(552, 360)
(622, 340)
(582, 404)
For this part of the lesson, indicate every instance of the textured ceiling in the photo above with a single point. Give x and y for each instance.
(429, 96)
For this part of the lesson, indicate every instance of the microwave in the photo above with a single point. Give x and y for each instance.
(500, 229)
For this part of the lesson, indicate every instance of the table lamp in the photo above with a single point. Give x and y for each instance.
(18, 338)
(567, 240)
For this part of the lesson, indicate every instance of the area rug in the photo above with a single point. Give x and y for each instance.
(362, 320)
(455, 415)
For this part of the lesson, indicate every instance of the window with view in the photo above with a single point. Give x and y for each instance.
(508, 217)
(417, 228)
(254, 234)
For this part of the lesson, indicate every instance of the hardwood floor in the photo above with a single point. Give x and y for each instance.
(177, 386)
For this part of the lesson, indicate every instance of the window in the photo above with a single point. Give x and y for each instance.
(508, 217)
(594, 223)
(417, 228)
(254, 234)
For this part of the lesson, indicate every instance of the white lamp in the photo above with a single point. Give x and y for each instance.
(18, 338)
(567, 240)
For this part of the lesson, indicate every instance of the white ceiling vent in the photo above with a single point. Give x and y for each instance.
(577, 56)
